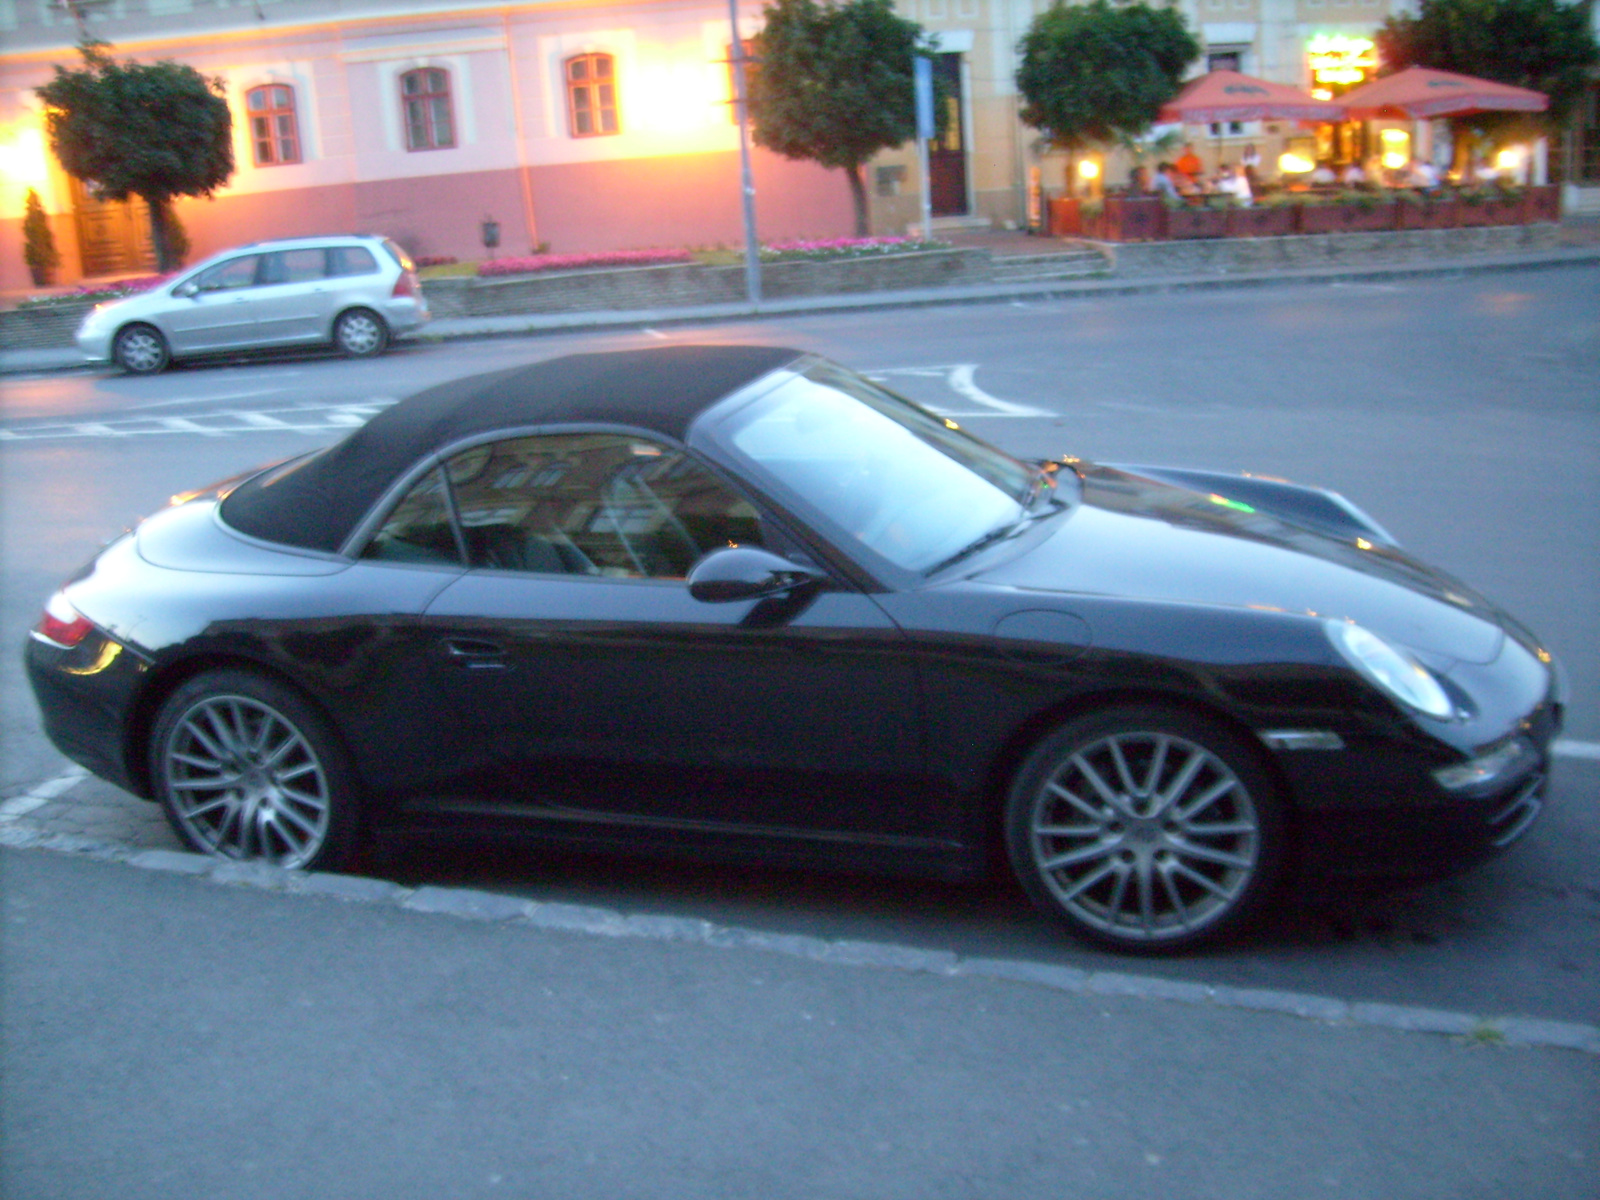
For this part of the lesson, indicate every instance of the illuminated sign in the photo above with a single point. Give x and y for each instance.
(1338, 59)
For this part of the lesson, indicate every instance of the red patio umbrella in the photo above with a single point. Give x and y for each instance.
(1422, 92)
(1230, 96)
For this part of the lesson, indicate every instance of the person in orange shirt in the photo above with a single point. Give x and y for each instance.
(1189, 163)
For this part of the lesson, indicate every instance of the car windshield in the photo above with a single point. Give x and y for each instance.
(906, 484)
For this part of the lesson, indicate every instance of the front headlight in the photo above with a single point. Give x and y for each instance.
(1389, 668)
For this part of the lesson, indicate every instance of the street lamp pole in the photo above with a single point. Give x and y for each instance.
(752, 249)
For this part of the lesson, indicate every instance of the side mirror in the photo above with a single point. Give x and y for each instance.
(186, 290)
(746, 573)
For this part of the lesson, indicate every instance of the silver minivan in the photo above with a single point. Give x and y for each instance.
(353, 293)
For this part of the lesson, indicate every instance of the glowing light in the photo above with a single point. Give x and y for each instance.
(1337, 58)
(1235, 505)
(1509, 159)
(1088, 169)
(1391, 136)
(1294, 164)
(679, 99)
(22, 158)
(1363, 544)
(1394, 159)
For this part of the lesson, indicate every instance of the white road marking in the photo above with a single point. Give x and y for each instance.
(323, 418)
(42, 793)
(1566, 748)
(960, 378)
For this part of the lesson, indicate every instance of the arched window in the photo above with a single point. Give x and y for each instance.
(430, 119)
(274, 130)
(592, 95)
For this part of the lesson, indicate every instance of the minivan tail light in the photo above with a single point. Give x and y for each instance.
(406, 285)
(62, 624)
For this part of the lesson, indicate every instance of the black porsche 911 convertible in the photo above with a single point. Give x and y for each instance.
(739, 601)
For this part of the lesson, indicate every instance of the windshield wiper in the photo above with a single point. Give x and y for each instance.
(999, 534)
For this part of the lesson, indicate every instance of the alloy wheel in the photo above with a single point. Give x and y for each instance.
(1143, 836)
(244, 782)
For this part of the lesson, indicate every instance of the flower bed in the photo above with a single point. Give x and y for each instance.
(534, 263)
(95, 291)
(827, 249)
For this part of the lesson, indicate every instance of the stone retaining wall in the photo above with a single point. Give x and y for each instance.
(45, 328)
(681, 284)
(1224, 255)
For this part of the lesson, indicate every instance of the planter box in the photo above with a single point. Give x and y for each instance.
(1346, 218)
(1134, 219)
(1541, 204)
(1196, 221)
(1260, 221)
(1441, 213)
(1494, 210)
(1065, 220)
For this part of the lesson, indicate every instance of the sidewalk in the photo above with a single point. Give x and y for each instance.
(263, 1034)
(1578, 244)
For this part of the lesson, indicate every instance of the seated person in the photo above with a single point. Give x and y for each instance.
(1323, 173)
(1232, 182)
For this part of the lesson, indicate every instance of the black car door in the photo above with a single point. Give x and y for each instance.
(601, 691)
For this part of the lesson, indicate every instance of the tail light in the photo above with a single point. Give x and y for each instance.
(62, 625)
(406, 285)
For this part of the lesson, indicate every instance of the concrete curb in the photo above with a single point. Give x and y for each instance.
(469, 904)
(1075, 287)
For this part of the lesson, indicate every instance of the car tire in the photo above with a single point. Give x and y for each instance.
(245, 768)
(1145, 829)
(141, 350)
(360, 333)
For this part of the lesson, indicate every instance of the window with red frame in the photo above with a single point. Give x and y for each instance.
(592, 95)
(274, 131)
(430, 116)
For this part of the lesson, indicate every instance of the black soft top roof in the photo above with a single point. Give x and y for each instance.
(317, 503)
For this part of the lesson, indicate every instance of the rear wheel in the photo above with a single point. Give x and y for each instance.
(141, 350)
(246, 769)
(1145, 829)
(360, 333)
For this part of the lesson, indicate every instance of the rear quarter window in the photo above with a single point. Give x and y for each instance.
(351, 260)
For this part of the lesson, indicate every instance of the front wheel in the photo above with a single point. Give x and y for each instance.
(141, 350)
(360, 333)
(246, 769)
(1145, 830)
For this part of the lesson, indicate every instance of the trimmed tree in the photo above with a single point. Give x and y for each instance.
(1546, 45)
(38, 243)
(1093, 74)
(152, 130)
(833, 84)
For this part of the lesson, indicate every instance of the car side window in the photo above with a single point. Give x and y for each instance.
(228, 276)
(593, 504)
(420, 529)
(292, 266)
(351, 260)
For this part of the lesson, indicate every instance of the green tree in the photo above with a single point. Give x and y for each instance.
(834, 84)
(38, 243)
(1093, 74)
(1546, 45)
(153, 130)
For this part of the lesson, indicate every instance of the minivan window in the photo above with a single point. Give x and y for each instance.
(235, 273)
(351, 260)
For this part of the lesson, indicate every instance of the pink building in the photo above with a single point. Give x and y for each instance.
(573, 125)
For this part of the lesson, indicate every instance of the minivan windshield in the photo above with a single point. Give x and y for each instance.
(880, 471)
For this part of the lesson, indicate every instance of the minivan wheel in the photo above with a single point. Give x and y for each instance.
(141, 350)
(360, 333)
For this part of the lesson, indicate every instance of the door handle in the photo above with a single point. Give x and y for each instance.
(475, 653)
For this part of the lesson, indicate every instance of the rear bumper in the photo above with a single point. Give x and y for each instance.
(85, 695)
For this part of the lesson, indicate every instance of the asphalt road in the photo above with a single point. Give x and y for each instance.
(1463, 413)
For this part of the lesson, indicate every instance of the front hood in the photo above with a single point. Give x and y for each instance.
(1134, 538)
